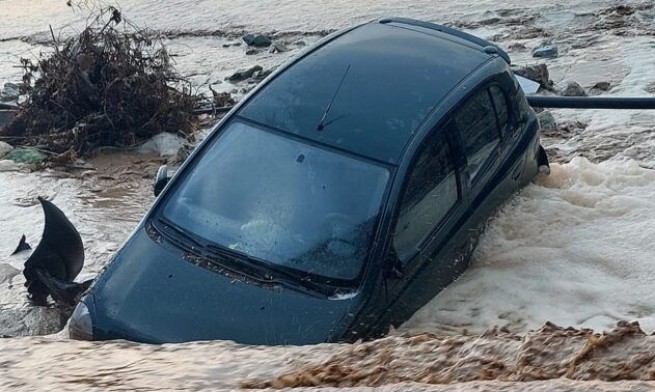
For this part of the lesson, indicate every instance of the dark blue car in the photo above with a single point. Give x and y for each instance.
(334, 201)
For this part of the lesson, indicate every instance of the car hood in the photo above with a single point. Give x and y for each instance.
(150, 293)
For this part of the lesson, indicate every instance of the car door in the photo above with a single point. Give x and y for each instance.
(484, 147)
(426, 236)
(514, 157)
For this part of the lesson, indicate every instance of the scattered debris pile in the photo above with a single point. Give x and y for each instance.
(108, 86)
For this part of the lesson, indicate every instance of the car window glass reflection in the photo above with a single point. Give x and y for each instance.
(282, 201)
(430, 193)
(500, 103)
(477, 123)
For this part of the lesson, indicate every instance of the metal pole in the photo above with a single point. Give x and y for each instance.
(542, 101)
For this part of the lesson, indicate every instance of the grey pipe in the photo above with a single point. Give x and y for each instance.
(542, 101)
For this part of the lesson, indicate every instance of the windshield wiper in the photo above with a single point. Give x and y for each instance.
(179, 231)
(267, 273)
(229, 254)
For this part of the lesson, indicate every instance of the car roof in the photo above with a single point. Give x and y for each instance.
(381, 80)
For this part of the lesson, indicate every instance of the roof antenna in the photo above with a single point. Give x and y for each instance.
(321, 123)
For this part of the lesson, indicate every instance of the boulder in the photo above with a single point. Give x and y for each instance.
(547, 122)
(545, 51)
(10, 92)
(602, 86)
(163, 144)
(536, 72)
(25, 155)
(573, 89)
(258, 40)
(4, 149)
(32, 320)
(243, 75)
(7, 272)
(277, 48)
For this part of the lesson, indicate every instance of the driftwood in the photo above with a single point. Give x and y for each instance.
(108, 86)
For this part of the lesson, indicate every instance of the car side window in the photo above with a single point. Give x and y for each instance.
(430, 193)
(502, 111)
(476, 121)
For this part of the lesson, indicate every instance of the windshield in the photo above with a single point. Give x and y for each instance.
(282, 201)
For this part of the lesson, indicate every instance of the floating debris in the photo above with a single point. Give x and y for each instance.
(104, 87)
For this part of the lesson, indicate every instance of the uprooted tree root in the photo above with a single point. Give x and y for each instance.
(104, 87)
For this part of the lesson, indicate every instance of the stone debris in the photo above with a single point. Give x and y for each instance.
(549, 51)
(5, 148)
(536, 72)
(547, 122)
(10, 92)
(573, 89)
(32, 320)
(25, 155)
(245, 74)
(257, 40)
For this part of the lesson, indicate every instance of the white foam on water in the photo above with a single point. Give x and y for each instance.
(576, 248)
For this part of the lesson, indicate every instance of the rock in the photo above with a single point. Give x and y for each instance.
(32, 320)
(260, 41)
(602, 86)
(4, 149)
(252, 51)
(547, 122)
(163, 144)
(546, 51)
(277, 48)
(573, 89)
(7, 272)
(7, 166)
(537, 72)
(25, 155)
(6, 116)
(243, 75)
(517, 47)
(10, 92)
(223, 99)
(261, 75)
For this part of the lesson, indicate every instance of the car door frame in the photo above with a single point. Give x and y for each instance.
(488, 192)
(422, 277)
(420, 268)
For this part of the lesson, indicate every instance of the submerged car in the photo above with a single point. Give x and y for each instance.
(335, 200)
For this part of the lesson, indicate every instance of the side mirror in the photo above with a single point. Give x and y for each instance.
(161, 179)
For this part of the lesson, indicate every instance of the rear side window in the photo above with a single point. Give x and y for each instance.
(430, 194)
(502, 111)
(476, 121)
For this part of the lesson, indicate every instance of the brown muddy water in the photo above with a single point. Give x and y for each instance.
(574, 248)
(497, 360)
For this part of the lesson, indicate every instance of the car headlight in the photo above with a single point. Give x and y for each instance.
(80, 326)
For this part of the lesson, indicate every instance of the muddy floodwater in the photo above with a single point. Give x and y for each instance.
(559, 296)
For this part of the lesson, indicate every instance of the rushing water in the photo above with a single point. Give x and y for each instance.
(574, 248)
